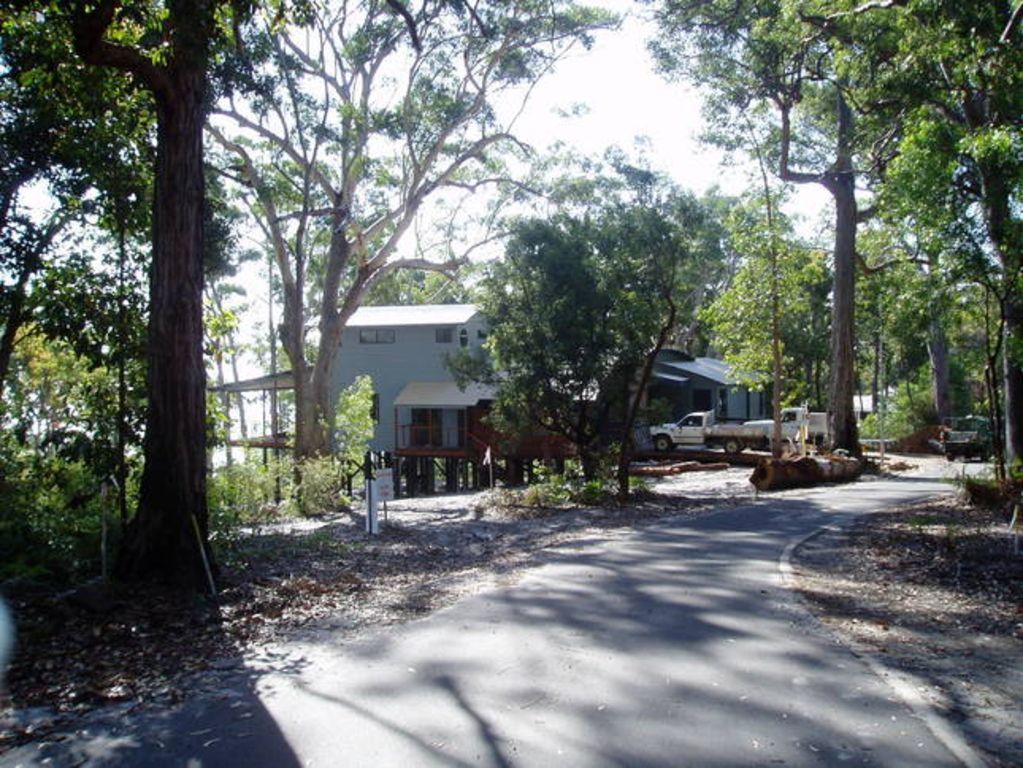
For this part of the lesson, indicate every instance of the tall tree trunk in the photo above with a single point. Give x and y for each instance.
(12, 324)
(633, 401)
(875, 375)
(166, 538)
(225, 403)
(1011, 345)
(941, 378)
(334, 314)
(841, 182)
(243, 425)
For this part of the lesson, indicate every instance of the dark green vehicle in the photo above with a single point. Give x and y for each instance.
(967, 436)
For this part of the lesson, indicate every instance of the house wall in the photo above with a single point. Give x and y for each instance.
(415, 355)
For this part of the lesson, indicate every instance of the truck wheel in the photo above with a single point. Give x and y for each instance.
(663, 443)
(733, 446)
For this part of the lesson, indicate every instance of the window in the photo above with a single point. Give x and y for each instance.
(427, 428)
(376, 336)
(481, 335)
(374, 408)
(444, 335)
(463, 338)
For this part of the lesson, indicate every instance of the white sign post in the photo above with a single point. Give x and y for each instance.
(372, 521)
(385, 487)
(385, 483)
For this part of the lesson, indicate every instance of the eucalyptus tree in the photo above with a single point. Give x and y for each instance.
(350, 127)
(781, 63)
(959, 176)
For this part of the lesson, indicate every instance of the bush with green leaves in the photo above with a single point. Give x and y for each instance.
(245, 492)
(51, 512)
(908, 409)
(321, 488)
(553, 489)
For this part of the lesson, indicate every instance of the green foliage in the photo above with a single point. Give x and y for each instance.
(59, 444)
(908, 410)
(354, 424)
(244, 492)
(254, 492)
(579, 302)
(739, 319)
(322, 488)
(553, 489)
(50, 515)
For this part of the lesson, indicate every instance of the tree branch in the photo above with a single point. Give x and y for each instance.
(1013, 24)
(89, 28)
(784, 172)
(410, 23)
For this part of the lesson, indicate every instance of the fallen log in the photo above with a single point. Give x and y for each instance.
(744, 459)
(774, 474)
(696, 466)
(673, 468)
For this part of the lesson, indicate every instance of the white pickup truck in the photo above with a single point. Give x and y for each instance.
(700, 428)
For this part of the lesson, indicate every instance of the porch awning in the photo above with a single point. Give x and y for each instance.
(442, 394)
(282, 380)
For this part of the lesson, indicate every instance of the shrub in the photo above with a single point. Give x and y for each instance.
(244, 493)
(322, 488)
(51, 515)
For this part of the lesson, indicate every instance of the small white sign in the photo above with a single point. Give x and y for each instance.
(385, 484)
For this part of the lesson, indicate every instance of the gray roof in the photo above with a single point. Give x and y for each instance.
(442, 394)
(707, 367)
(412, 314)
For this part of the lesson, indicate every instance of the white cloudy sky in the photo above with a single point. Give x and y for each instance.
(625, 99)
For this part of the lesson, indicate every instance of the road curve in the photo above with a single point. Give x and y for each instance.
(674, 645)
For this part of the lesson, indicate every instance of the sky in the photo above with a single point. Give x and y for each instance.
(629, 105)
(625, 99)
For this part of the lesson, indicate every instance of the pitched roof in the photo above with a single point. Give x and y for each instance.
(708, 367)
(412, 314)
(440, 394)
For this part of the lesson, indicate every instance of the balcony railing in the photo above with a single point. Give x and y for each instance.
(430, 436)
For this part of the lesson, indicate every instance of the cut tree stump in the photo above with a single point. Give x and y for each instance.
(774, 474)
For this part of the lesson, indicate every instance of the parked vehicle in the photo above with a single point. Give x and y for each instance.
(702, 428)
(966, 436)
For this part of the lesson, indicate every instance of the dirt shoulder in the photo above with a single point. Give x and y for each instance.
(934, 592)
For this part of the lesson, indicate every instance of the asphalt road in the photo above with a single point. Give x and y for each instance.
(676, 645)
